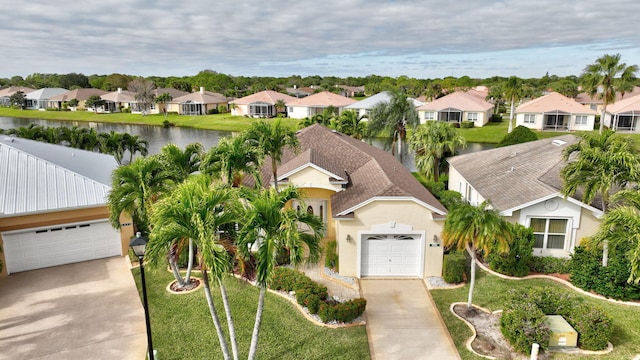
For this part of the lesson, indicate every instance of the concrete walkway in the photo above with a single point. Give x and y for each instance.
(403, 322)
(88, 310)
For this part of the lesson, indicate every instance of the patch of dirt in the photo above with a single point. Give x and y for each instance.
(489, 340)
(193, 283)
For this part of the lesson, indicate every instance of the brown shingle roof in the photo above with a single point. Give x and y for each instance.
(14, 89)
(371, 172)
(79, 94)
(512, 176)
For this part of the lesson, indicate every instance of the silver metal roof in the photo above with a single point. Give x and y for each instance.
(39, 177)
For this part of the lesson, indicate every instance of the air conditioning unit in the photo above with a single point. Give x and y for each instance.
(562, 334)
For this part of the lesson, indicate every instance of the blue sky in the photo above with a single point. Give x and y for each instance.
(422, 39)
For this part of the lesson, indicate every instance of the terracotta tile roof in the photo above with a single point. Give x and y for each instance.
(79, 94)
(462, 100)
(371, 172)
(554, 102)
(202, 97)
(322, 99)
(267, 96)
(628, 105)
(512, 176)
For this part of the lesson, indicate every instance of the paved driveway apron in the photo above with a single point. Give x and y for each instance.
(403, 323)
(88, 310)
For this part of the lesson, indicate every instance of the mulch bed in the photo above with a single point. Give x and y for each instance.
(193, 284)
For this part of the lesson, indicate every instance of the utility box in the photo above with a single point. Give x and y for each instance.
(562, 334)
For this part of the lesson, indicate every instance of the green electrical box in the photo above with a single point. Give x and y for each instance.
(562, 334)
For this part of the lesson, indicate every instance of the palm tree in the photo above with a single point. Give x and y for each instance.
(352, 124)
(269, 226)
(163, 99)
(233, 158)
(599, 164)
(432, 141)
(512, 90)
(272, 139)
(280, 106)
(134, 144)
(605, 78)
(621, 227)
(196, 210)
(134, 187)
(392, 119)
(476, 228)
(113, 143)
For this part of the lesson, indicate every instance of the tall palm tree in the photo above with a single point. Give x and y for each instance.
(234, 158)
(196, 210)
(134, 187)
(605, 77)
(476, 229)
(513, 90)
(352, 124)
(112, 143)
(621, 227)
(597, 165)
(134, 144)
(272, 139)
(432, 141)
(392, 119)
(280, 106)
(269, 225)
(163, 99)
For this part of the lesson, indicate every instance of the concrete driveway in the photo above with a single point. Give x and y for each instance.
(88, 310)
(403, 322)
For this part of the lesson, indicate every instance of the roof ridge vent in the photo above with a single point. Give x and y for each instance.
(558, 142)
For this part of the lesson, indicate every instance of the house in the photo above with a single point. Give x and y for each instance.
(316, 104)
(260, 105)
(456, 107)
(200, 103)
(117, 100)
(522, 182)
(623, 115)
(171, 106)
(385, 222)
(595, 102)
(300, 92)
(53, 206)
(39, 99)
(81, 95)
(555, 111)
(351, 91)
(5, 94)
(363, 107)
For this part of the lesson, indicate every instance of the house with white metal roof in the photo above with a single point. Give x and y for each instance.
(316, 104)
(363, 107)
(53, 206)
(39, 99)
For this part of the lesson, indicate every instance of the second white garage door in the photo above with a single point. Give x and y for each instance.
(390, 255)
(58, 245)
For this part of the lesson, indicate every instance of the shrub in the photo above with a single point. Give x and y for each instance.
(222, 109)
(549, 265)
(454, 267)
(466, 124)
(516, 261)
(496, 118)
(331, 255)
(345, 312)
(592, 324)
(286, 279)
(523, 324)
(212, 111)
(521, 134)
(310, 295)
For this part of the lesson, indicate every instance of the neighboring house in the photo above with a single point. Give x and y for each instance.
(81, 95)
(172, 106)
(117, 100)
(200, 103)
(5, 94)
(623, 115)
(39, 99)
(351, 91)
(300, 92)
(53, 206)
(316, 103)
(456, 107)
(595, 103)
(522, 182)
(385, 222)
(363, 107)
(555, 111)
(259, 105)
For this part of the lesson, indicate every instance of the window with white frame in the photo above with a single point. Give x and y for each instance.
(429, 115)
(472, 116)
(581, 120)
(529, 118)
(549, 233)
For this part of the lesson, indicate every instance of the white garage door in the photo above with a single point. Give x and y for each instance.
(390, 255)
(58, 245)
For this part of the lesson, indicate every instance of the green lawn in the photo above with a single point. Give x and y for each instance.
(182, 327)
(491, 293)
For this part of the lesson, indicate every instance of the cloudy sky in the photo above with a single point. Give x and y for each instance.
(422, 39)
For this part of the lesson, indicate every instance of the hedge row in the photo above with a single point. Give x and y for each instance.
(516, 261)
(454, 267)
(315, 297)
(523, 319)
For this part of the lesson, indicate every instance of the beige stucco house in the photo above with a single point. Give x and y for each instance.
(555, 111)
(81, 95)
(385, 222)
(624, 115)
(523, 183)
(456, 107)
(200, 102)
(316, 104)
(53, 206)
(259, 105)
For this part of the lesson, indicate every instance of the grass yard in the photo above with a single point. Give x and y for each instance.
(491, 293)
(182, 327)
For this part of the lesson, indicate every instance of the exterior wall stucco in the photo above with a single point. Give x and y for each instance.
(382, 212)
(323, 194)
(310, 177)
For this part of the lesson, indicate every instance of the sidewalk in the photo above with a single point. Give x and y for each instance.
(335, 287)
